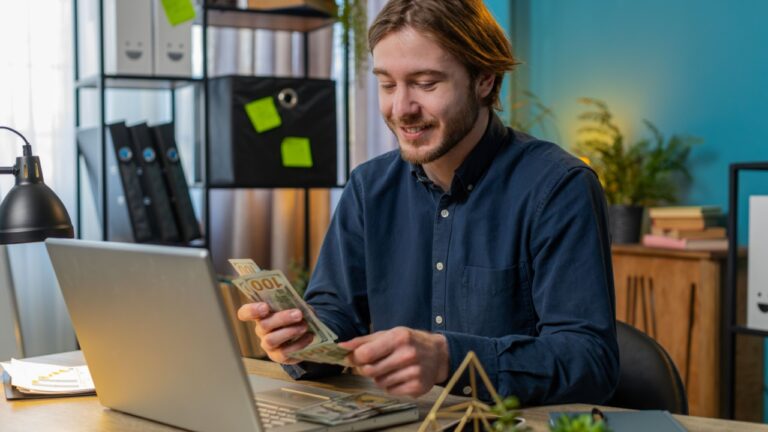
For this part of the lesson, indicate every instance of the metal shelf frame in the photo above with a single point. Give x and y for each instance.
(730, 328)
(301, 20)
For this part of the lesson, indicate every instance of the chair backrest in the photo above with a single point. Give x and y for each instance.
(648, 378)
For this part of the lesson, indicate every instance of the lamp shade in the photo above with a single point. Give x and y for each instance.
(31, 211)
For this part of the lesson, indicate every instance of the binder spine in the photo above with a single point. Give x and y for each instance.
(168, 154)
(128, 169)
(153, 184)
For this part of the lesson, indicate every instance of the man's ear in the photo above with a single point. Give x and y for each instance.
(484, 84)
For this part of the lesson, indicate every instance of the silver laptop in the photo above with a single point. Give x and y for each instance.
(159, 345)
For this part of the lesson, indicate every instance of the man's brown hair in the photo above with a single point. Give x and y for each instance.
(465, 28)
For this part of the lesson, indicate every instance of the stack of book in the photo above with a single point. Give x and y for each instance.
(690, 228)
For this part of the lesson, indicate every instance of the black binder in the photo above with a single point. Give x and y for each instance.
(241, 156)
(127, 166)
(152, 183)
(165, 143)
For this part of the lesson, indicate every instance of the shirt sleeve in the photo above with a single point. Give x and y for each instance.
(337, 288)
(574, 356)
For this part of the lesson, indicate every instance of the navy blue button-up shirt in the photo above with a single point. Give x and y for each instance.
(513, 263)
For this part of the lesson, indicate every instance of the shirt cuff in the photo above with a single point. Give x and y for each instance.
(459, 344)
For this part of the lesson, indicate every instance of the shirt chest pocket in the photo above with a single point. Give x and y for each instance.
(495, 302)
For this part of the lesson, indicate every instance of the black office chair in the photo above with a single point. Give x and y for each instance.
(648, 379)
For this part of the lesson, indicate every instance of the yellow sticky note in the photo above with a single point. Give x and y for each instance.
(263, 114)
(296, 152)
(178, 11)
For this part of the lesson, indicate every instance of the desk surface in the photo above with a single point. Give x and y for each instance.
(86, 414)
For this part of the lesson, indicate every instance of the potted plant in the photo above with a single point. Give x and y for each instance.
(645, 173)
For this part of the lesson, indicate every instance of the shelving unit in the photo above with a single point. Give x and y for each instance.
(302, 20)
(731, 327)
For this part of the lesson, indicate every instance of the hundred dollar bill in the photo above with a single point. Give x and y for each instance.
(327, 352)
(350, 408)
(244, 266)
(273, 288)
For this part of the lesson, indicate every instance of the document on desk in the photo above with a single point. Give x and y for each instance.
(273, 288)
(48, 379)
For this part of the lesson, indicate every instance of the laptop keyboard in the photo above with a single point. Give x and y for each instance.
(274, 416)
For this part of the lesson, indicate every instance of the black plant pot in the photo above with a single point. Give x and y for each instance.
(624, 223)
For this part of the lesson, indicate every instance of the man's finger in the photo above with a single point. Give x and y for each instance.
(280, 319)
(281, 356)
(298, 344)
(398, 359)
(352, 344)
(275, 339)
(253, 311)
(373, 350)
(397, 377)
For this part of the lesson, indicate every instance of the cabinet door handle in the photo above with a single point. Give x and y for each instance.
(634, 300)
(689, 342)
(628, 303)
(652, 300)
(642, 299)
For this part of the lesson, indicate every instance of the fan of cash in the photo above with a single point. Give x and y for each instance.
(273, 288)
(351, 408)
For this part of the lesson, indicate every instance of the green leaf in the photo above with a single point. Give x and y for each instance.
(646, 172)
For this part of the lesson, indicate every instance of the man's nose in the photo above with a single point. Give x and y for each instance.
(404, 104)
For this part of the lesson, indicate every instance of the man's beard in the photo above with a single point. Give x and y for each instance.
(456, 128)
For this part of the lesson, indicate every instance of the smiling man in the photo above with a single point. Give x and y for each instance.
(471, 237)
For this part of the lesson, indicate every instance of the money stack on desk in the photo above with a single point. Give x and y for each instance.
(273, 288)
(351, 408)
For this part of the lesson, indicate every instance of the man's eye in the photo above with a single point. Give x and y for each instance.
(429, 85)
(386, 86)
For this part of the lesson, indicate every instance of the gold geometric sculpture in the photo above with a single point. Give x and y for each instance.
(474, 410)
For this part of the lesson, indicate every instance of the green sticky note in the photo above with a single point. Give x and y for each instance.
(178, 11)
(297, 152)
(263, 114)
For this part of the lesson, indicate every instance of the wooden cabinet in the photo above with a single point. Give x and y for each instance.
(675, 297)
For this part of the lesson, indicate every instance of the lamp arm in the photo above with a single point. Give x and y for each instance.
(27, 151)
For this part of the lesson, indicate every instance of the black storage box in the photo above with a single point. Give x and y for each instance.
(240, 156)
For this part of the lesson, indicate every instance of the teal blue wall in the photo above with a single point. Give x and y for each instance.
(501, 11)
(697, 68)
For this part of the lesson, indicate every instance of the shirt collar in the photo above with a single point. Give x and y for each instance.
(477, 162)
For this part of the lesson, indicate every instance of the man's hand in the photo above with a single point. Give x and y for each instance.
(280, 333)
(402, 361)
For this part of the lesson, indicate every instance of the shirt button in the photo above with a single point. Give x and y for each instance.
(470, 187)
(439, 266)
(444, 213)
(467, 390)
(439, 319)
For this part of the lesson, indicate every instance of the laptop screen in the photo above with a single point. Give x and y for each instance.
(154, 333)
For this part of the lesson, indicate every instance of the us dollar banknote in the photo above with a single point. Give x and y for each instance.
(273, 288)
(244, 266)
(319, 350)
(328, 352)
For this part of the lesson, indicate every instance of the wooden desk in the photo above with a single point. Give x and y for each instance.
(86, 414)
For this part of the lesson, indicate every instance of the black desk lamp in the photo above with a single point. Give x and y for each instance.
(31, 212)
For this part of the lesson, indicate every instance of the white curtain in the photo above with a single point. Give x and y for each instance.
(36, 98)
